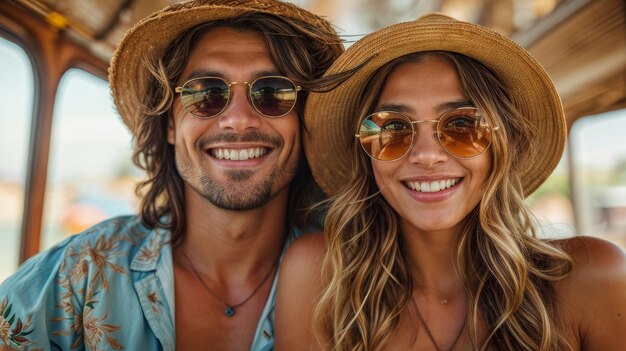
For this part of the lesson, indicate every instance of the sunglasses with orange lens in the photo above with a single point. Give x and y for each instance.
(461, 132)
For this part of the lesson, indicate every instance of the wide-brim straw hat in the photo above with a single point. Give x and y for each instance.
(128, 75)
(330, 117)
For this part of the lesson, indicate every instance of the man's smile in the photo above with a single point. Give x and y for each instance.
(238, 154)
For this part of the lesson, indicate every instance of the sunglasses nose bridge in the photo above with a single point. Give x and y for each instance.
(415, 124)
(231, 93)
(425, 149)
(436, 121)
(232, 90)
(239, 114)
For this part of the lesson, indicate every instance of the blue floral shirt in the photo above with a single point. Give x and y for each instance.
(109, 288)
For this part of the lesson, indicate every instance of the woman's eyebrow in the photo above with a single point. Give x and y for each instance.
(450, 105)
(393, 107)
(441, 108)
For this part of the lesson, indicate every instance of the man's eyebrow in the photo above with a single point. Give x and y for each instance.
(202, 73)
(209, 73)
(265, 73)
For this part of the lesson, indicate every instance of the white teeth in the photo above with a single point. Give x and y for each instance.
(234, 155)
(238, 154)
(243, 155)
(431, 187)
(414, 185)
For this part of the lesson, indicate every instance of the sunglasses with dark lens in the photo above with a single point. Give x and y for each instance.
(461, 132)
(207, 97)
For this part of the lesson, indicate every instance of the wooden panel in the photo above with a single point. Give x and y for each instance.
(586, 57)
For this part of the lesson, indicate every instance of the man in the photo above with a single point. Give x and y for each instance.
(211, 91)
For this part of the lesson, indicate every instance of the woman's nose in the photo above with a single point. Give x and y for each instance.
(426, 150)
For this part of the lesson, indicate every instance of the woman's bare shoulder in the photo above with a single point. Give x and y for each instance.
(302, 264)
(306, 250)
(595, 292)
(594, 255)
(299, 287)
(597, 263)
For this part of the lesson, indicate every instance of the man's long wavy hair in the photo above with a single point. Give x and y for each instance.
(508, 272)
(300, 51)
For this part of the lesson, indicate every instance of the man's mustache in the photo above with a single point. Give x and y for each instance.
(253, 136)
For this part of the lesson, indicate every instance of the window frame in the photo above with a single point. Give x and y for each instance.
(51, 54)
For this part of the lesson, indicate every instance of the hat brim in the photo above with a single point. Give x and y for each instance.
(128, 75)
(330, 116)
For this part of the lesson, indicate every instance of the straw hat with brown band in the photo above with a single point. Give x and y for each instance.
(128, 75)
(330, 117)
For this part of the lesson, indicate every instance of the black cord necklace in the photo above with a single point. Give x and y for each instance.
(430, 335)
(229, 311)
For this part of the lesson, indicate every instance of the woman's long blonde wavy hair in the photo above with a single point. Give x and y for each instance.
(508, 272)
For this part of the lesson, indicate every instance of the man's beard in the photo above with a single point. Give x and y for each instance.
(232, 199)
(236, 193)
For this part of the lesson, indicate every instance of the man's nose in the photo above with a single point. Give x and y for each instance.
(239, 115)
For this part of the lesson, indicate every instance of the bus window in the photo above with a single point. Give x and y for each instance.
(16, 104)
(551, 203)
(90, 173)
(595, 183)
(599, 163)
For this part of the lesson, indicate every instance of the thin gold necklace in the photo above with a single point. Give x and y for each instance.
(444, 301)
(229, 311)
(430, 335)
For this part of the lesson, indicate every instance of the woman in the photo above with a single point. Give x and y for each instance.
(427, 242)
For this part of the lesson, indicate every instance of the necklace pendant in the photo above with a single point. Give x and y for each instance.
(229, 311)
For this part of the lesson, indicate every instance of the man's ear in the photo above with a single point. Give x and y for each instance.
(171, 130)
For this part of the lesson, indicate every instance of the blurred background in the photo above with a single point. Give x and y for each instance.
(65, 154)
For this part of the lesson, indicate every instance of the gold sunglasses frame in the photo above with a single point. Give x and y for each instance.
(414, 131)
(179, 89)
